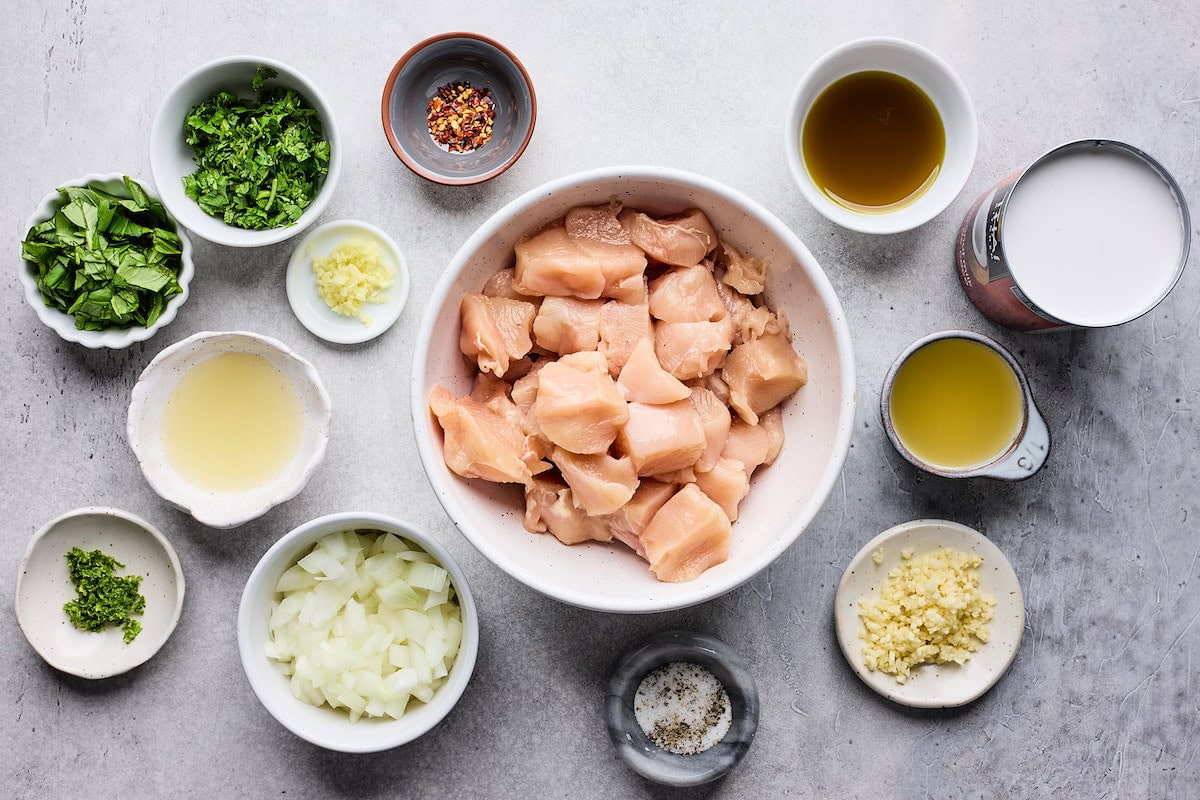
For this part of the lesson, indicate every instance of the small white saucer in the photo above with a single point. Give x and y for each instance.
(44, 586)
(930, 685)
(312, 311)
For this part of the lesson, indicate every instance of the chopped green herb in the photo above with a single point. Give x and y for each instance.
(108, 261)
(259, 162)
(103, 598)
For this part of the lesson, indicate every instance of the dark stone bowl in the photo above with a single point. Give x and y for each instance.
(451, 58)
(647, 758)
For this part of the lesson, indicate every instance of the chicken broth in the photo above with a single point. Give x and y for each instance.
(873, 142)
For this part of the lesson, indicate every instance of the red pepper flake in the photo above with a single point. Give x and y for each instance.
(460, 117)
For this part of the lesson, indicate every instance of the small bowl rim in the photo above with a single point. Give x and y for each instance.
(875, 223)
(380, 323)
(110, 338)
(329, 127)
(389, 130)
(429, 451)
(403, 731)
(136, 521)
(133, 429)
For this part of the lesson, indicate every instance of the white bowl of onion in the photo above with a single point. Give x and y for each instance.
(358, 632)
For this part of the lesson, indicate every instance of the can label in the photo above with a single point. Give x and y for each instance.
(983, 270)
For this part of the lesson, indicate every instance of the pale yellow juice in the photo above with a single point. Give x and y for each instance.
(232, 423)
(956, 403)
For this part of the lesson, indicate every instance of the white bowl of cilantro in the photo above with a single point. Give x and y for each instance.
(105, 264)
(245, 151)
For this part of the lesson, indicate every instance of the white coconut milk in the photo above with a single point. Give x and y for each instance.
(1093, 237)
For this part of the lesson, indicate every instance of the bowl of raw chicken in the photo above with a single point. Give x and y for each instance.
(635, 391)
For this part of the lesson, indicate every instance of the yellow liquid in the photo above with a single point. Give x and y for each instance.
(956, 403)
(232, 423)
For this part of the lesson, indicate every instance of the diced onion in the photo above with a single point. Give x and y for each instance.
(365, 622)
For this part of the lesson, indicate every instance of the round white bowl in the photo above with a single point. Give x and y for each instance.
(783, 499)
(64, 324)
(154, 387)
(946, 90)
(171, 158)
(324, 726)
(312, 310)
(44, 585)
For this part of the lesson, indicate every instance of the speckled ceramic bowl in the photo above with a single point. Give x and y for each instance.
(454, 58)
(64, 324)
(225, 509)
(324, 726)
(639, 751)
(783, 498)
(44, 585)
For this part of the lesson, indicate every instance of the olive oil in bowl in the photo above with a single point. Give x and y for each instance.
(232, 423)
(956, 403)
(873, 142)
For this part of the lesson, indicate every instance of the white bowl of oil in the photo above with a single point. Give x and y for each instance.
(227, 425)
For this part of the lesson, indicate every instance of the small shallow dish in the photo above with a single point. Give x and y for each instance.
(311, 309)
(154, 387)
(324, 726)
(64, 324)
(44, 586)
(454, 58)
(171, 158)
(943, 87)
(647, 758)
(931, 685)
(784, 498)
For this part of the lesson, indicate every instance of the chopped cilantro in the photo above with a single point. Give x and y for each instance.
(103, 598)
(259, 162)
(108, 261)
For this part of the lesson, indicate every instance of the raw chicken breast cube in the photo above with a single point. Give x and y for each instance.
(578, 406)
(622, 326)
(596, 224)
(681, 240)
(549, 506)
(479, 443)
(568, 324)
(688, 535)
(686, 294)
(726, 484)
(749, 321)
(600, 484)
(495, 330)
(772, 422)
(749, 444)
(644, 380)
(745, 273)
(763, 373)
(555, 263)
(501, 285)
(662, 438)
(628, 522)
(692, 349)
(715, 418)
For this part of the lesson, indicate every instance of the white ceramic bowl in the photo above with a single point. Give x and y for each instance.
(159, 379)
(783, 498)
(312, 310)
(948, 93)
(933, 685)
(63, 324)
(324, 726)
(171, 158)
(43, 586)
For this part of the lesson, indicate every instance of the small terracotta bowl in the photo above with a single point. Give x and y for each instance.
(456, 58)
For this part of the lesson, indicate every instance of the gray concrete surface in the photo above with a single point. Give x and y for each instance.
(1103, 699)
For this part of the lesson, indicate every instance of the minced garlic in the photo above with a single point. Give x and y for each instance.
(877, 556)
(929, 611)
(352, 274)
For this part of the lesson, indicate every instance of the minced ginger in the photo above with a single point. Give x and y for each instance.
(929, 611)
(352, 274)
